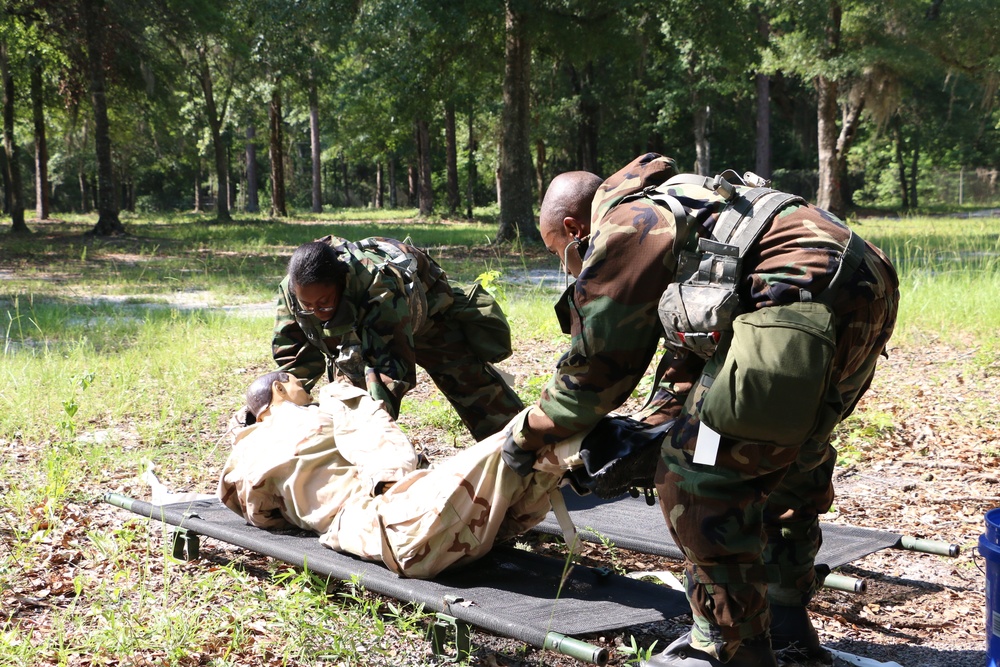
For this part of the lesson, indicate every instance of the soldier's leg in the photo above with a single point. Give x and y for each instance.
(483, 400)
(867, 313)
(715, 515)
(452, 513)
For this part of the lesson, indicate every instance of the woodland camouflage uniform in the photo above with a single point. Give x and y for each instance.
(398, 310)
(717, 514)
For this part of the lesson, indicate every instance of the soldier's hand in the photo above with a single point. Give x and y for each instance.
(516, 458)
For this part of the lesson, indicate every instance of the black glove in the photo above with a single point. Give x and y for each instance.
(618, 454)
(519, 460)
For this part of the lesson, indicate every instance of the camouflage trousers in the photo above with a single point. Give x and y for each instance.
(483, 400)
(749, 524)
(452, 513)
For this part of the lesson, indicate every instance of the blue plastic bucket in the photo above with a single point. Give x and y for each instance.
(989, 549)
(993, 526)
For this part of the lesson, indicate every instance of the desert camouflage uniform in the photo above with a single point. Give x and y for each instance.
(393, 315)
(324, 468)
(719, 515)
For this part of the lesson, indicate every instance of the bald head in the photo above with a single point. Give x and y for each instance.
(565, 214)
(569, 195)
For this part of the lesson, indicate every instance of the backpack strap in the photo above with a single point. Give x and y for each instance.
(742, 221)
(853, 255)
(682, 221)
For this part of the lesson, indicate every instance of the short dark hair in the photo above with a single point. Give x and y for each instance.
(259, 392)
(315, 263)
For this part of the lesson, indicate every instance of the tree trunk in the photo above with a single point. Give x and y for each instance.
(252, 204)
(41, 146)
(13, 168)
(108, 223)
(425, 189)
(5, 176)
(451, 159)
(763, 162)
(276, 151)
(218, 148)
(829, 195)
(914, 166)
(317, 175)
(471, 171)
(540, 169)
(702, 149)
(347, 182)
(197, 186)
(904, 191)
(763, 84)
(129, 191)
(589, 121)
(84, 193)
(850, 120)
(517, 218)
(379, 186)
(411, 183)
(392, 182)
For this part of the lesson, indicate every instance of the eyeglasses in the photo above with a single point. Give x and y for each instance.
(312, 311)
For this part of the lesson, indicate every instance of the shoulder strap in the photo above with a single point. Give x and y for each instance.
(850, 260)
(682, 221)
(741, 223)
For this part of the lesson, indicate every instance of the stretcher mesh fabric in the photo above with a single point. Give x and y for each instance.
(629, 523)
(510, 591)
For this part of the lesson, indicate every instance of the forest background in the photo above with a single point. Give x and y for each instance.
(262, 106)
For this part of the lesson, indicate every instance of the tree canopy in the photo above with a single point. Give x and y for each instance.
(111, 105)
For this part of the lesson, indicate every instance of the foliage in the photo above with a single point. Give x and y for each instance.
(609, 79)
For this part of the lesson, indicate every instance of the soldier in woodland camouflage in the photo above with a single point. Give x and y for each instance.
(748, 520)
(372, 311)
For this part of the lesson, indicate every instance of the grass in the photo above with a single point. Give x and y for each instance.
(114, 353)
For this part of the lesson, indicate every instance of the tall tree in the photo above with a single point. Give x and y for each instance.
(12, 161)
(41, 144)
(517, 218)
(314, 146)
(451, 158)
(852, 52)
(251, 169)
(216, 115)
(96, 38)
(276, 151)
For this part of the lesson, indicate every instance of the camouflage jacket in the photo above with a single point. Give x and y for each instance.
(392, 290)
(615, 327)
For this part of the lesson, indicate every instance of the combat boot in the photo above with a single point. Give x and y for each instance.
(755, 652)
(794, 638)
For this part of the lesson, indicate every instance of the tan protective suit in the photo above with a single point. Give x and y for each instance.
(317, 468)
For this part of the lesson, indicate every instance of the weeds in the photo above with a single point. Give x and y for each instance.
(636, 654)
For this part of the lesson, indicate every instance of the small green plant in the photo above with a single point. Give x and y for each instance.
(857, 434)
(490, 280)
(70, 405)
(636, 654)
(616, 562)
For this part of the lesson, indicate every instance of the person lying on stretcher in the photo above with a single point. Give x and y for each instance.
(341, 467)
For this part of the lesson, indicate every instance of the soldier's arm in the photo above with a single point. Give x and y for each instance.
(387, 343)
(615, 325)
(291, 349)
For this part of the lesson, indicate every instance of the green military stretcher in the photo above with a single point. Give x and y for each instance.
(510, 592)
